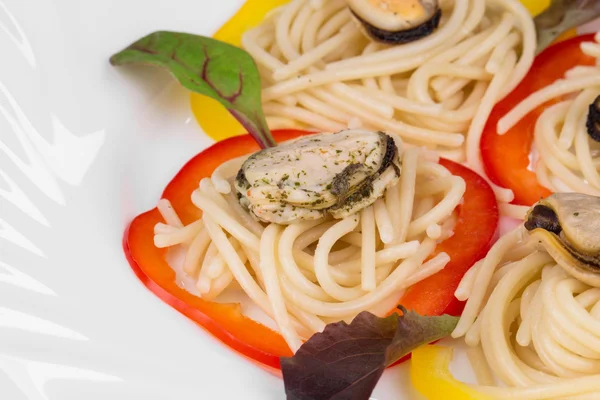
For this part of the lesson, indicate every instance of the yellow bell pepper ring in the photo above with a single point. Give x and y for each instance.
(251, 14)
(536, 7)
(430, 375)
(213, 118)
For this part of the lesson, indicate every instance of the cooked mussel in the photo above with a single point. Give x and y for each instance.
(567, 226)
(593, 120)
(333, 174)
(396, 21)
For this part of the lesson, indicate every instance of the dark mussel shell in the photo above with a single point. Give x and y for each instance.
(404, 36)
(593, 120)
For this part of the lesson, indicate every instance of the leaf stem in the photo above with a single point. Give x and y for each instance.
(260, 133)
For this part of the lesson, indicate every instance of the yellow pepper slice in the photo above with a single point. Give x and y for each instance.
(430, 375)
(214, 119)
(536, 7)
(251, 14)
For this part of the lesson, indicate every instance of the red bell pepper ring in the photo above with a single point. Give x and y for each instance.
(506, 157)
(477, 221)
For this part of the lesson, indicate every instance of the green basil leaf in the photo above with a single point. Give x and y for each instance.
(345, 361)
(207, 66)
(561, 16)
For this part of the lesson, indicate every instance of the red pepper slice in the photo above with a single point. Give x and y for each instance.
(506, 157)
(225, 321)
(478, 217)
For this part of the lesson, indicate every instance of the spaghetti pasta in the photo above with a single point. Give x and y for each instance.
(567, 158)
(433, 92)
(530, 324)
(308, 273)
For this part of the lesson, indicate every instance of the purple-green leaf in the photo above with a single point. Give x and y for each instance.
(207, 66)
(345, 361)
(561, 16)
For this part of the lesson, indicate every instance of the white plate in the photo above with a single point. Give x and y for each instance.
(85, 147)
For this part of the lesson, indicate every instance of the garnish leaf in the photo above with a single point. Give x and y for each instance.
(561, 16)
(346, 361)
(207, 66)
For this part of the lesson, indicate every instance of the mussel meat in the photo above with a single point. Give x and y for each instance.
(567, 226)
(593, 120)
(333, 174)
